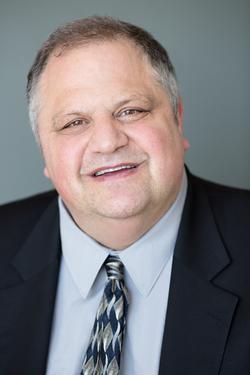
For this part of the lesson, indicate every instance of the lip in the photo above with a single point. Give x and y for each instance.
(92, 174)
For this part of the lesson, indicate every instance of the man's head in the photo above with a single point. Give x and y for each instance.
(83, 32)
(110, 133)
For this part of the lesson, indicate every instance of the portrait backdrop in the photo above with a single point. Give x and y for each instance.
(208, 42)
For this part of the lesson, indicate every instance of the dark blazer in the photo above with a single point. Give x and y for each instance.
(207, 330)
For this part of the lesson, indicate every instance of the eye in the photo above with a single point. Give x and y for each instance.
(75, 123)
(131, 114)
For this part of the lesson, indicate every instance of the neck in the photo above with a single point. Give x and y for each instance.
(118, 234)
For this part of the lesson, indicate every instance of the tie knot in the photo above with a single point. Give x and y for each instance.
(114, 268)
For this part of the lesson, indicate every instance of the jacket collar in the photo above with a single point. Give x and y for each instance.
(199, 244)
(42, 245)
(200, 311)
(27, 305)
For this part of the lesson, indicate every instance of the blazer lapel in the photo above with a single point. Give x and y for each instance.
(199, 311)
(27, 305)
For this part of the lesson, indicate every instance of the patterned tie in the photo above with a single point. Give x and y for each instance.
(104, 350)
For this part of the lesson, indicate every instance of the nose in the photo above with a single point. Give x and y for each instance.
(107, 136)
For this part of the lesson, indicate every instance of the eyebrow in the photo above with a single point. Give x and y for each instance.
(67, 114)
(147, 99)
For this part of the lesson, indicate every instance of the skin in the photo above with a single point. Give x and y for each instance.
(102, 107)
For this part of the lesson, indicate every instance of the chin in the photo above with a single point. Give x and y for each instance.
(121, 210)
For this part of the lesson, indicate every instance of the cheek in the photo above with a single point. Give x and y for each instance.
(63, 158)
(164, 148)
(155, 141)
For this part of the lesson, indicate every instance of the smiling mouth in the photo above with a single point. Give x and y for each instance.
(110, 170)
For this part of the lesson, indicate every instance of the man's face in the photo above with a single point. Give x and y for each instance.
(111, 145)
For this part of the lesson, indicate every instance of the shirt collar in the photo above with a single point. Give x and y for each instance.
(144, 260)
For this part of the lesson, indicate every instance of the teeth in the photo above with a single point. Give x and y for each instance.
(109, 170)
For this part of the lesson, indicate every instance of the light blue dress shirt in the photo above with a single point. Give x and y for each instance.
(147, 263)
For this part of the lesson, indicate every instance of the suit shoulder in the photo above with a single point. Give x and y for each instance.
(30, 206)
(224, 194)
(19, 217)
(230, 205)
(231, 212)
(17, 221)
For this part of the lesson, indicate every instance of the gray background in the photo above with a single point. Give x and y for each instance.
(208, 42)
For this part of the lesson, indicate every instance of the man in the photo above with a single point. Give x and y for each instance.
(105, 110)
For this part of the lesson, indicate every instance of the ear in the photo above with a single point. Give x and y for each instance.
(185, 141)
(180, 114)
(46, 172)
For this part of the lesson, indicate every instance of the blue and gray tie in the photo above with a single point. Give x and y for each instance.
(104, 350)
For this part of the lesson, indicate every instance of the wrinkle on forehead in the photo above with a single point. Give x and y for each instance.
(87, 78)
(105, 58)
(117, 102)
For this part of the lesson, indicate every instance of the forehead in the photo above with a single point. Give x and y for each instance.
(96, 76)
(97, 62)
(115, 47)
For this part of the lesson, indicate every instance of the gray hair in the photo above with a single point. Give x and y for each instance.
(84, 31)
